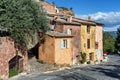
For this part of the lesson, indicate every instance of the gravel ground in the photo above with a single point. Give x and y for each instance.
(40, 67)
(104, 71)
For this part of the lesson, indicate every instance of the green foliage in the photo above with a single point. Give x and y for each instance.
(21, 18)
(83, 55)
(108, 42)
(13, 72)
(117, 42)
(64, 8)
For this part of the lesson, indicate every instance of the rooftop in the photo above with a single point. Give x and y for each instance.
(57, 34)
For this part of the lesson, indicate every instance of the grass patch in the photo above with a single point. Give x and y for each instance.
(13, 72)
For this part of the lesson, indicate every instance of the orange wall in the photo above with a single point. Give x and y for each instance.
(63, 55)
(53, 53)
(47, 50)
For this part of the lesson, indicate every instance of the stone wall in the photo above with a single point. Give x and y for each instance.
(50, 8)
(7, 52)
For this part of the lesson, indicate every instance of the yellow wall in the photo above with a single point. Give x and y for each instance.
(84, 36)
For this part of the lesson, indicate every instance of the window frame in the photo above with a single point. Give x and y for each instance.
(88, 43)
(88, 29)
(65, 43)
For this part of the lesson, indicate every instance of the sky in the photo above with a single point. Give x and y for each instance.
(104, 11)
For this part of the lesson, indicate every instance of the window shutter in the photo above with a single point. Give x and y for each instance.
(68, 43)
(61, 44)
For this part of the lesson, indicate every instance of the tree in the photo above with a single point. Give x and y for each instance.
(117, 42)
(108, 42)
(22, 18)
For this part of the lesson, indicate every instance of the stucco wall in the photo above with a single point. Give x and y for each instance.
(76, 39)
(63, 55)
(75, 32)
(47, 50)
(99, 39)
(7, 52)
(84, 36)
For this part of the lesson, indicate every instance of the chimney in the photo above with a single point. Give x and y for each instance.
(89, 18)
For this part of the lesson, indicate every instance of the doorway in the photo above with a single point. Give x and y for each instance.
(15, 65)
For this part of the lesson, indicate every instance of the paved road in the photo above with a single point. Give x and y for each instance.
(105, 71)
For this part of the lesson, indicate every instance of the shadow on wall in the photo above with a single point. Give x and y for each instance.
(4, 33)
(33, 52)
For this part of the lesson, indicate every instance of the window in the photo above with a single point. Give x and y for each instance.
(65, 44)
(69, 31)
(88, 43)
(56, 10)
(91, 56)
(88, 29)
(52, 27)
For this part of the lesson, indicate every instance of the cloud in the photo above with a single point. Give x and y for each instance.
(111, 20)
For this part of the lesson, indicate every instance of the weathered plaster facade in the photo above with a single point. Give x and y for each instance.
(78, 27)
(50, 50)
(49, 8)
(99, 41)
(84, 36)
(75, 31)
(7, 52)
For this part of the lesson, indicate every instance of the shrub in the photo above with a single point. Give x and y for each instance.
(83, 55)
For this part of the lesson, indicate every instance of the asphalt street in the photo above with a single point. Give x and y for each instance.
(105, 71)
